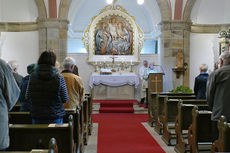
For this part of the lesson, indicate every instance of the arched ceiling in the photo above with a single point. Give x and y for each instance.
(81, 12)
(18, 11)
(211, 12)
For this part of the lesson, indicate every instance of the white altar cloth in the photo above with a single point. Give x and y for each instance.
(114, 80)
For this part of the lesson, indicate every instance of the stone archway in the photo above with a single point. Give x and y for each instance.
(164, 9)
(41, 8)
(64, 9)
(188, 10)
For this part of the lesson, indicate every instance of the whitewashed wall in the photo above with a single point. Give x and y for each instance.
(203, 50)
(22, 47)
(85, 69)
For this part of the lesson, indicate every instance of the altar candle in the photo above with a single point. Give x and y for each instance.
(131, 62)
(96, 62)
(104, 59)
(122, 60)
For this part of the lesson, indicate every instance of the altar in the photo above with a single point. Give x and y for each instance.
(114, 86)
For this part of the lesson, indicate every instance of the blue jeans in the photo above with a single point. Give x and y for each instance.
(57, 121)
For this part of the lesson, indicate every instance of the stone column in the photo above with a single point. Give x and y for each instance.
(175, 36)
(53, 35)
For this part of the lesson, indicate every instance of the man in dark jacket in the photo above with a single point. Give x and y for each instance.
(201, 82)
(218, 92)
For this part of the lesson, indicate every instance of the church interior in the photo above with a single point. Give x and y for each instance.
(125, 107)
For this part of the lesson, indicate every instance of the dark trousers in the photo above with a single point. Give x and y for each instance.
(147, 97)
(215, 132)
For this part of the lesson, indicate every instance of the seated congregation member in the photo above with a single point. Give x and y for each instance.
(9, 93)
(218, 92)
(47, 91)
(73, 83)
(25, 104)
(14, 66)
(201, 82)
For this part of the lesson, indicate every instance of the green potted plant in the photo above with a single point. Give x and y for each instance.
(181, 89)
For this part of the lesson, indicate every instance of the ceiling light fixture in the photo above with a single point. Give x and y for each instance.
(140, 2)
(109, 1)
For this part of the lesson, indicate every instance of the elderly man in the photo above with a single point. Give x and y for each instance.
(201, 82)
(218, 92)
(9, 93)
(14, 66)
(73, 83)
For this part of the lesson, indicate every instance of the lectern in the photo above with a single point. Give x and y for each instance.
(155, 84)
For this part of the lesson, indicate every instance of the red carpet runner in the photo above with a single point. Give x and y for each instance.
(124, 133)
(116, 106)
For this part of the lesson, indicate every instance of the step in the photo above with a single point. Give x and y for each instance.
(116, 104)
(116, 110)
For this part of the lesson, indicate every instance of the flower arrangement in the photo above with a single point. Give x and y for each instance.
(181, 89)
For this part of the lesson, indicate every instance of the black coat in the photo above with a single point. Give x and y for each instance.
(200, 86)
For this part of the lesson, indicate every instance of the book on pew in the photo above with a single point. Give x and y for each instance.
(38, 151)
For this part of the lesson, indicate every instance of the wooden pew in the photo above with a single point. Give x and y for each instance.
(222, 144)
(53, 148)
(78, 139)
(16, 108)
(20, 118)
(183, 121)
(200, 131)
(85, 120)
(29, 136)
(169, 114)
(159, 105)
(90, 110)
(152, 104)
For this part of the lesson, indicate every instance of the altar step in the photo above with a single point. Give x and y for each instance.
(118, 106)
(116, 110)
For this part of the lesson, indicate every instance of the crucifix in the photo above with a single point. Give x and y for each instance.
(156, 81)
(113, 60)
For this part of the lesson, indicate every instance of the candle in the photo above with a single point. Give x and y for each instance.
(131, 62)
(122, 60)
(104, 59)
(96, 62)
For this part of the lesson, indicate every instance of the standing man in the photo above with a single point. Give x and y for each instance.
(74, 84)
(201, 82)
(9, 93)
(218, 92)
(143, 80)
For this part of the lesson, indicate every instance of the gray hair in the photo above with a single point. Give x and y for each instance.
(68, 63)
(13, 65)
(225, 56)
(204, 67)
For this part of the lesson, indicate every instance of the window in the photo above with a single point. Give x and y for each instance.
(150, 47)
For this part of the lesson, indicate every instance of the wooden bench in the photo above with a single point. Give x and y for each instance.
(159, 105)
(90, 110)
(53, 148)
(184, 120)
(29, 136)
(200, 131)
(76, 127)
(20, 118)
(152, 104)
(169, 114)
(222, 144)
(16, 108)
(85, 120)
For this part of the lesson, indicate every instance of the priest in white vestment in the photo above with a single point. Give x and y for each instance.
(143, 79)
